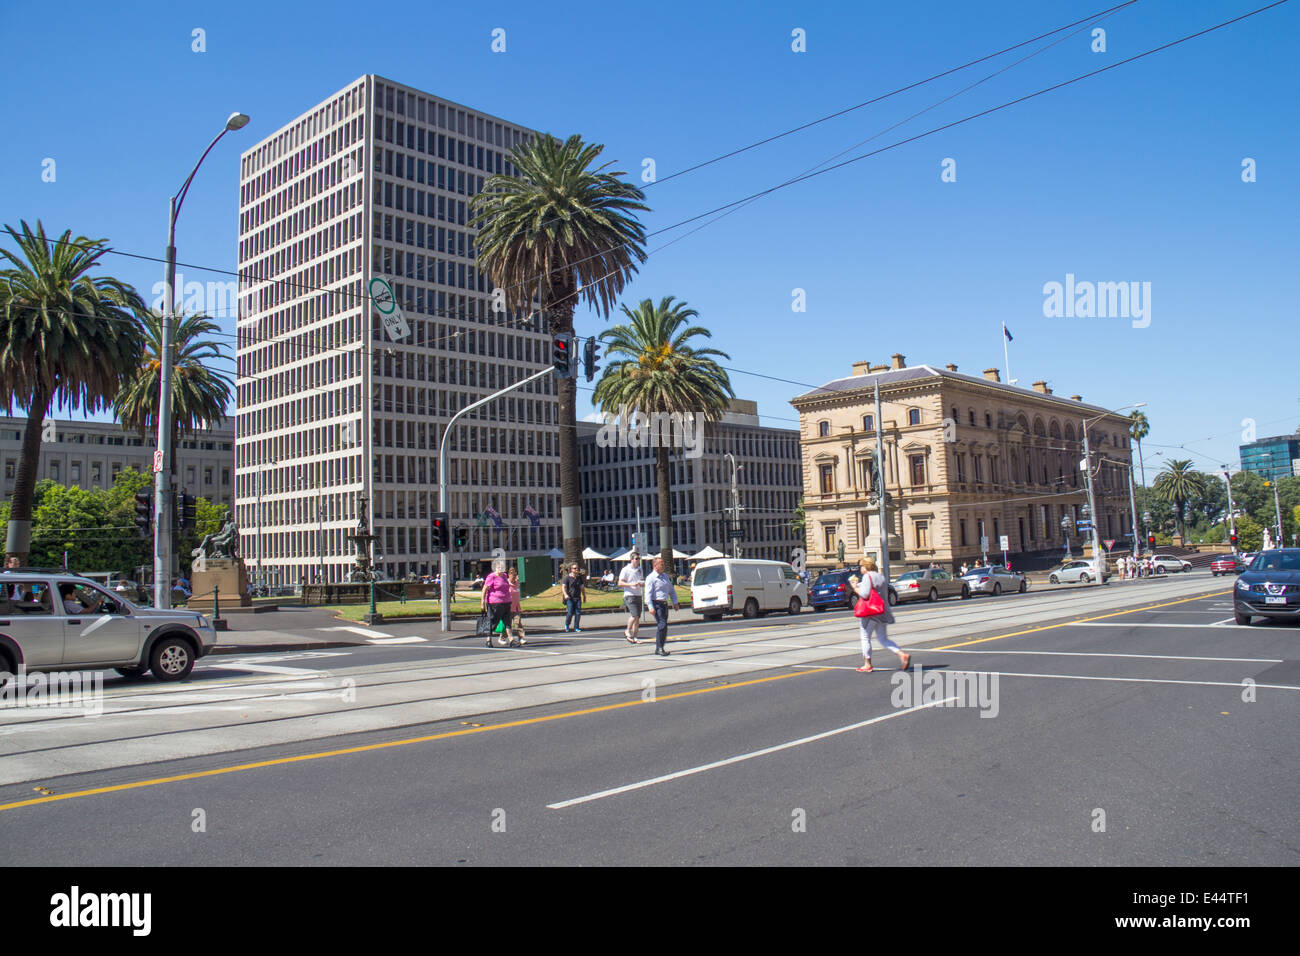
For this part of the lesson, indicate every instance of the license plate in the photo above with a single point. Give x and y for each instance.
(1275, 600)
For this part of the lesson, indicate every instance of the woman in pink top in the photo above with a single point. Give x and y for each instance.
(496, 602)
(516, 611)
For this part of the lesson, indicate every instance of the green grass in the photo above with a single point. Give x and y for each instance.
(468, 603)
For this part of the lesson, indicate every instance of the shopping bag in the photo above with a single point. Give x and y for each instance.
(483, 627)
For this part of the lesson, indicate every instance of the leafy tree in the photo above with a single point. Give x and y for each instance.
(564, 231)
(655, 370)
(66, 336)
(1178, 484)
(1138, 429)
(1250, 534)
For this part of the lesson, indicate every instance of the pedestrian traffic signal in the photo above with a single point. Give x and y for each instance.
(186, 511)
(441, 532)
(1234, 540)
(143, 512)
(589, 365)
(562, 355)
(1151, 540)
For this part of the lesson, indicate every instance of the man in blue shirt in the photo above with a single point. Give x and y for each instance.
(659, 593)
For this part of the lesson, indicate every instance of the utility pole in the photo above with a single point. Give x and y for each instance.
(1277, 504)
(734, 526)
(880, 488)
(1132, 503)
(1092, 504)
(1232, 518)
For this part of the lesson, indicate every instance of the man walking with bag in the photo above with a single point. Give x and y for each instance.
(659, 592)
(872, 612)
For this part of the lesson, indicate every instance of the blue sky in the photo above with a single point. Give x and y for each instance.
(1133, 176)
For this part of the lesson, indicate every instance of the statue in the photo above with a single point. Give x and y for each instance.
(223, 544)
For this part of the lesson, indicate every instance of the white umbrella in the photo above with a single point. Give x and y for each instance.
(620, 555)
(591, 554)
(708, 552)
(680, 554)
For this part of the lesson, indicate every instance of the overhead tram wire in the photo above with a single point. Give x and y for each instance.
(796, 180)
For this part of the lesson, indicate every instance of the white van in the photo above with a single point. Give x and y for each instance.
(726, 585)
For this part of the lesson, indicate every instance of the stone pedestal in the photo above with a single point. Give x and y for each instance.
(225, 574)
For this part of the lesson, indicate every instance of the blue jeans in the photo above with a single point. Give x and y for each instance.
(573, 612)
(661, 624)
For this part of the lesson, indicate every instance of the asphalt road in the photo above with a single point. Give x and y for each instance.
(1111, 736)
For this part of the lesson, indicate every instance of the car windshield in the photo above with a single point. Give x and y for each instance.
(1276, 561)
(912, 576)
(831, 577)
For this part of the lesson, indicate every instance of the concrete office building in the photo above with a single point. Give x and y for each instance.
(966, 458)
(617, 480)
(375, 181)
(90, 455)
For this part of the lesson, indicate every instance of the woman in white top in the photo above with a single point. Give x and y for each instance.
(872, 579)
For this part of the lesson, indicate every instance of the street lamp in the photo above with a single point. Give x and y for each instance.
(163, 512)
(1086, 466)
(1067, 525)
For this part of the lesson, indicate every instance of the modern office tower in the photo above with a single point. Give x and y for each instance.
(338, 424)
(1272, 458)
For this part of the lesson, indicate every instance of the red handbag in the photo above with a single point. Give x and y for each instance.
(869, 606)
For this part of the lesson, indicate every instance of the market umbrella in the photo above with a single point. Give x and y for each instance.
(708, 552)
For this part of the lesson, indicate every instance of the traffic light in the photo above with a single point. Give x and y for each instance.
(143, 513)
(562, 355)
(440, 532)
(462, 537)
(589, 365)
(1151, 541)
(1234, 539)
(186, 506)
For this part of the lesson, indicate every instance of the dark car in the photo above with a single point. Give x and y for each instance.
(832, 589)
(1269, 587)
(1226, 564)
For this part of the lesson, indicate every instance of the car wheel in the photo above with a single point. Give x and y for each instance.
(751, 609)
(1083, 578)
(1054, 579)
(933, 596)
(1160, 570)
(1240, 618)
(965, 592)
(134, 673)
(1214, 573)
(997, 589)
(893, 597)
(795, 606)
(7, 670)
(172, 659)
(1024, 586)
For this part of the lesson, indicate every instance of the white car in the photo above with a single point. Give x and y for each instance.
(726, 585)
(1165, 563)
(1081, 572)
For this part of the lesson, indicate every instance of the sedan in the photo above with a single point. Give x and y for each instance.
(930, 584)
(994, 579)
(1071, 572)
(1270, 587)
(1226, 564)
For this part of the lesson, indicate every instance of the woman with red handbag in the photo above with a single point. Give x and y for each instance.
(871, 611)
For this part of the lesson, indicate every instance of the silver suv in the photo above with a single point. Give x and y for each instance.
(53, 620)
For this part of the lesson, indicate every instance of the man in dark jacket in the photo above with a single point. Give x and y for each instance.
(574, 586)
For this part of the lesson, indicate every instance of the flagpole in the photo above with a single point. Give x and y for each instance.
(1006, 356)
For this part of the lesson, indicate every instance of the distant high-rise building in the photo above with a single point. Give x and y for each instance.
(1272, 458)
(375, 182)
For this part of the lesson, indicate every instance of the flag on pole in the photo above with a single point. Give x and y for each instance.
(492, 513)
(1006, 333)
(531, 514)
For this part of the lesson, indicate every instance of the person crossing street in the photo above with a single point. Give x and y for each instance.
(659, 593)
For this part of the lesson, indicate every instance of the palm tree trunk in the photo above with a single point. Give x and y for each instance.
(18, 543)
(561, 320)
(665, 507)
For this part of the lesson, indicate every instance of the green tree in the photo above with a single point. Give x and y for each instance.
(656, 371)
(65, 336)
(1138, 429)
(1250, 534)
(1178, 484)
(1249, 494)
(561, 230)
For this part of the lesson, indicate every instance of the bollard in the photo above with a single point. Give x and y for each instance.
(374, 617)
(217, 623)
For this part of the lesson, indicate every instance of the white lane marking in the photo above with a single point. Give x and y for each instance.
(1122, 680)
(1154, 657)
(1202, 627)
(1226, 620)
(398, 640)
(737, 759)
(298, 672)
(363, 631)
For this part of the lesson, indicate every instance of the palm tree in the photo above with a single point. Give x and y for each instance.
(563, 231)
(1138, 429)
(1178, 484)
(655, 370)
(65, 335)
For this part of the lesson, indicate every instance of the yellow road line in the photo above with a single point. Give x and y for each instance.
(392, 743)
(1082, 620)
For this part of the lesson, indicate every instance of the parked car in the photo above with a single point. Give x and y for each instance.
(55, 620)
(1247, 557)
(832, 589)
(726, 585)
(1226, 564)
(1270, 587)
(930, 584)
(994, 579)
(1080, 572)
(1165, 563)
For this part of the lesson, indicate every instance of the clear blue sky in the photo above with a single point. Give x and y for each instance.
(1134, 175)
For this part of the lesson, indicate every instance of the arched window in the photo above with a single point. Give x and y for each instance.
(913, 416)
(823, 429)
